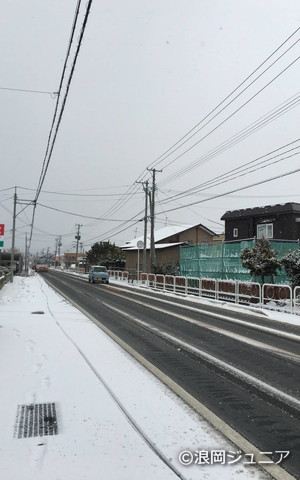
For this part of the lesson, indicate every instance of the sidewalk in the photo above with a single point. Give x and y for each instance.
(93, 391)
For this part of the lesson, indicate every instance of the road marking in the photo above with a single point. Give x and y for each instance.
(241, 442)
(266, 387)
(263, 346)
(279, 333)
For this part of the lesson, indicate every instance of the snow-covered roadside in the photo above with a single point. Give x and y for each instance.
(61, 356)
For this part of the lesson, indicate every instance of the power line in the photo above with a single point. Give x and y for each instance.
(128, 195)
(242, 170)
(189, 208)
(105, 234)
(53, 94)
(160, 158)
(236, 190)
(46, 161)
(49, 148)
(237, 138)
(232, 114)
(80, 194)
(77, 214)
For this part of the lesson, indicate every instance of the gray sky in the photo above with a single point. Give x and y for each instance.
(147, 73)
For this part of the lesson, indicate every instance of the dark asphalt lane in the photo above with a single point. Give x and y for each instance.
(266, 423)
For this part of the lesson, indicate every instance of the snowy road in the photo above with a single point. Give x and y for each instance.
(243, 368)
(75, 406)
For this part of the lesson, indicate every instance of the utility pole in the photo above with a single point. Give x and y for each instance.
(146, 190)
(59, 244)
(55, 254)
(26, 256)
(12, 256)
(77, 236)
(48, 256)
(152, 218)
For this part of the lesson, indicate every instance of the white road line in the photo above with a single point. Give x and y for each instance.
(279, 333)
(241, 442)
(261, 345)
(265, 387)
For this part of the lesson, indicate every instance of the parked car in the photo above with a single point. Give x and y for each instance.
(98, 273)
(41, 268)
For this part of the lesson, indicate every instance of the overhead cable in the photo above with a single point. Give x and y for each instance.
(49, 148)
(237, 138)
(167, 154)
(247, 168)
(128, 195)
(291, 172)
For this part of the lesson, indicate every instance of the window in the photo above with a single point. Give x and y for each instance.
(235, 232)
(265, 230)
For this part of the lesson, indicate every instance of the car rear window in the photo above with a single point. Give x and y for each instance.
(100, 269)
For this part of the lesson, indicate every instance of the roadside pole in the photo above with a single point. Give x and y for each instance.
(12, 256)
(140, 245)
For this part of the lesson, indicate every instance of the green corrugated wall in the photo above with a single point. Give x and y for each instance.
(222, 260)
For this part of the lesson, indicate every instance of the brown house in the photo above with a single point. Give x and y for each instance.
(168, 241)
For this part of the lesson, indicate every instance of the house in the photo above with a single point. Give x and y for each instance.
(277, 222)
(69, 258)
(168, 241)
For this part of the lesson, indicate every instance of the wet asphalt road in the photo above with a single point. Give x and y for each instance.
(228, 366)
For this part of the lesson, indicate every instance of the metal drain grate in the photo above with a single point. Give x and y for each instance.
(36, 420)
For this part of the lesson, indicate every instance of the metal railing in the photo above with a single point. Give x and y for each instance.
(119, 275)
(269, 296)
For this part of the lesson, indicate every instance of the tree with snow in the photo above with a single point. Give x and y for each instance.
(291, 264)
(261, 260)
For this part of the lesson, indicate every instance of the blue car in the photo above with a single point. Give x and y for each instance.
(98, 273)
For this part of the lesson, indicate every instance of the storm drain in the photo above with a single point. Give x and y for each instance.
(38, 312)
(36, 420)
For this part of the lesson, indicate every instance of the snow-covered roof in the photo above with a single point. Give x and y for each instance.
(163, 233)
(267, 209)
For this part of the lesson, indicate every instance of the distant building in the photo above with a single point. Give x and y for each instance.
(277, 222)
(168, 241)
(69, 258)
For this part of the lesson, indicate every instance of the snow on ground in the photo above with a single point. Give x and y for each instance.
(61, 356)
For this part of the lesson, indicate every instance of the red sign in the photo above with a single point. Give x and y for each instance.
(1, 229)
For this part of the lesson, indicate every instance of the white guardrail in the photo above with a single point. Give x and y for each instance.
(273, 297)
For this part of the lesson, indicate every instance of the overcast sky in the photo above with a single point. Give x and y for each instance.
(147, 73)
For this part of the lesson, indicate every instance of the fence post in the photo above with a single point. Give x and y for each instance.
(237, 288)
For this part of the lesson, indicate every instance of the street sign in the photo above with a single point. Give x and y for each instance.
(1, 229)
(140, 244)
(1, 244)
